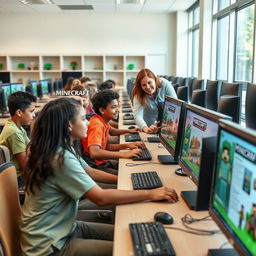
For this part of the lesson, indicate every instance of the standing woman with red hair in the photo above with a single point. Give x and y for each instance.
(148, 97)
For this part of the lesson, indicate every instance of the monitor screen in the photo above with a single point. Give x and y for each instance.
(7, 91)
(16, 87)
(170, 123)
(34, 88)
(44, 85)
(234, 191)
(196, 128)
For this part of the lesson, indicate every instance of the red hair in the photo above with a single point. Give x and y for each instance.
(137, 90)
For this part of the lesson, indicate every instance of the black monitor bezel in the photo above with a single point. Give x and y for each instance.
(208, 114)
(30, 84)
(16, 83)
(174, 152)
(249, 136)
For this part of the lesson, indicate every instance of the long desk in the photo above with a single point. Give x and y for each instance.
(185, 244)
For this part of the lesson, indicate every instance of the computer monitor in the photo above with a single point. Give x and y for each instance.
(171, 132)
(5, 92)
(233, 197)
(17, 87)
(60, 83)
(32, 88)
(42, 88)
(197, 153)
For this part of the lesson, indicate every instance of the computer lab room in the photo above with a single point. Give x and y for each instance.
(127, 128)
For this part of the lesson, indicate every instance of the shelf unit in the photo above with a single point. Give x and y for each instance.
(98, 67)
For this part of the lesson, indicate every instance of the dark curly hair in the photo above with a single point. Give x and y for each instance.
(102, 99)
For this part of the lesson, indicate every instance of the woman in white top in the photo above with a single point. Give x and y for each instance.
(148, 97)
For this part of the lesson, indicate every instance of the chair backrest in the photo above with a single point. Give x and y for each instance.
(10, 210)
(190, 88)
(212, 94)
(234, 89)
(250, 105)
(4, 154)
(182, 81)
(182, 93)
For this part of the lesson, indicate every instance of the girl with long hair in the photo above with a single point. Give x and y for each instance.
(56, 178)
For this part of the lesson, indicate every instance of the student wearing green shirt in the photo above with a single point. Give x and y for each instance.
(56, 178)
(21, 107)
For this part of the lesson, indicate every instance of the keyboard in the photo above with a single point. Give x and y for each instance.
(146, 156)
(129, 123)
(126, 106)
(150, 239)
(145, 180)
(127, 110)
(130, 117)
(132, 137)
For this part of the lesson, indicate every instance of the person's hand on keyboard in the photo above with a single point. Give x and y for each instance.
(132, 153)
(164, 193)
(137, 144)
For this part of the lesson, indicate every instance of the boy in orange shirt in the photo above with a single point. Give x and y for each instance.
(96, 147)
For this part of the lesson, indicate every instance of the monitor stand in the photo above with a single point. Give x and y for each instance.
(179, 171)
(167, 159)
(190, 198)
(222, 252)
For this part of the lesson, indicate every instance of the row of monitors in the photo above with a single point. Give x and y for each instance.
(220, 157)
(38, 89)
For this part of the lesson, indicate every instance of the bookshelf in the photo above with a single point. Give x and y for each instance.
(98, 67)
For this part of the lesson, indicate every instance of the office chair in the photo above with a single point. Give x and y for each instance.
(182, 93)
(212, 94)
(198, 96)
(10, 210)
(190, 88)
(250, 105)
(230, 105)
(230, 100)
(4, 154)
(231, 89)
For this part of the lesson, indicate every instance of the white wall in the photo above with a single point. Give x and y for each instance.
(87, 34)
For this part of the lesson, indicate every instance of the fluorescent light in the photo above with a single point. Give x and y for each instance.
(142, 1)
(24, 1)
(118, 1)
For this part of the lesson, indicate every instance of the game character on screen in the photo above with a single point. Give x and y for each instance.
(224, 177)
(241, 216)
(251, 222)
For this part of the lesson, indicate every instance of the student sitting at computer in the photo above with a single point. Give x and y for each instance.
(21, 107)
(96, 147)
(148, 97)
(58, 180)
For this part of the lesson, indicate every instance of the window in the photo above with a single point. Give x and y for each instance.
(222, 48)
(222, 4)
(193, 37)
(244, 44)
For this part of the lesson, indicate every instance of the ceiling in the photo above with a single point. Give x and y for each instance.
(99, 6)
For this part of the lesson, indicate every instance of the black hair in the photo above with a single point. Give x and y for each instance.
(50, 134)
(102, 99)
(106, 85)
(111, 81)
(20, 100)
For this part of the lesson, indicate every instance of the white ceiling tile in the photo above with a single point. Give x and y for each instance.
(160, 2)
(134, 8)
(46, 8)
(104, 7)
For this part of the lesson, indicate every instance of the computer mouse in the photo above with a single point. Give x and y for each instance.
(163, 217)
(132, 127)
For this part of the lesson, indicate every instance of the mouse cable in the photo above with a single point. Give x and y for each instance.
(194, 232)
(188, 219)
(134, 164)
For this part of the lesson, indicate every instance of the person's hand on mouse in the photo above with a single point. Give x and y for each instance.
(164, 193)
(134, 130)
(137, 144)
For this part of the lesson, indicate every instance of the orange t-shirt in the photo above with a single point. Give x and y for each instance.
(97, 134)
